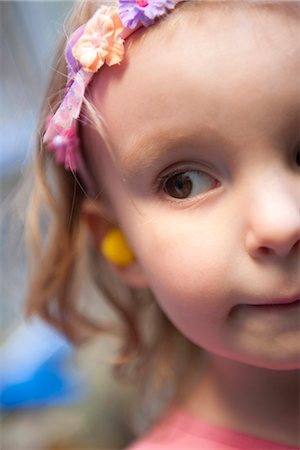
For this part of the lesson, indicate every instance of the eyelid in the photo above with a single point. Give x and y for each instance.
(184, 166)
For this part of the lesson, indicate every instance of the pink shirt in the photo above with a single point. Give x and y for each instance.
(179, 430)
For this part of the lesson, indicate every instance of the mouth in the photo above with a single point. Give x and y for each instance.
(280, 304)
(278, 312)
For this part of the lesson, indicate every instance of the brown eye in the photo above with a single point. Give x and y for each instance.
(188, 184)
(298, 156)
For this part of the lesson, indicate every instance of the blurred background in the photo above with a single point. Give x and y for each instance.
(51, 396)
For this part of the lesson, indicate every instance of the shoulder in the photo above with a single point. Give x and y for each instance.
(179, 430)
(159, 436)
(172, 430)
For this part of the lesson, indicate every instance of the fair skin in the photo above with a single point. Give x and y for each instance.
(218, 101)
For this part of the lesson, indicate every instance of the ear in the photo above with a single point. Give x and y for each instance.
(99, 219)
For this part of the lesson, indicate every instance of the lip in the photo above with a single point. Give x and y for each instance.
(283, 302)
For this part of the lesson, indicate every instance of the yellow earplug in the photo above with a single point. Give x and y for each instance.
(115, 248)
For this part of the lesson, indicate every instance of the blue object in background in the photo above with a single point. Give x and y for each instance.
(36, 363)
(38, 369)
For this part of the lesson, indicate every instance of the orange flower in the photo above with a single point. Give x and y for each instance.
(101, 42)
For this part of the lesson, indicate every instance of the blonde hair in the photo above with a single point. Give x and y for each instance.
(61, 254)
(60, 251)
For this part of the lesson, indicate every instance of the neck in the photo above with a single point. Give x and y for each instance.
(260, 402)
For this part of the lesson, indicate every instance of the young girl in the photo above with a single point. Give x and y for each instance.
(176, 124)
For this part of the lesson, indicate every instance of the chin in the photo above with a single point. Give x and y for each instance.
(279, 363)
(270, 354)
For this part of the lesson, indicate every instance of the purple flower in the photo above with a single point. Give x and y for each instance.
(136, 12)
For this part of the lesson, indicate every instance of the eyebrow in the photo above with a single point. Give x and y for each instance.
(148, 147)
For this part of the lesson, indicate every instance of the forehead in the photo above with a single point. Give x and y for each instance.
(206, 68)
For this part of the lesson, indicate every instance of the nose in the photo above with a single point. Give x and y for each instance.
(274, 222)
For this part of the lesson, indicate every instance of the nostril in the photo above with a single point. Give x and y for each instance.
(296, 246)
(265, 251)
(281, 251)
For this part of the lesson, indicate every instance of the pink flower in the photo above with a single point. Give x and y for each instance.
(65, 146)
(101, 42)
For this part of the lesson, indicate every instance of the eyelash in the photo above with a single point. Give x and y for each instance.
(192, 172)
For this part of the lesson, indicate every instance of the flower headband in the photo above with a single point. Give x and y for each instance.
(100, 41)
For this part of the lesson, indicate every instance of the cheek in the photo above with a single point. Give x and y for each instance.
(184, 270)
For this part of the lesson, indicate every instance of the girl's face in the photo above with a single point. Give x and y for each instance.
(204, 178)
